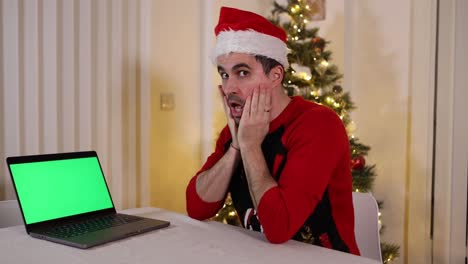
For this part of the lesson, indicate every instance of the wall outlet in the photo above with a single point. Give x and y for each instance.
(167, 102)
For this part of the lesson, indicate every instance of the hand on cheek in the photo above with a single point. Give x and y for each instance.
(255, 120)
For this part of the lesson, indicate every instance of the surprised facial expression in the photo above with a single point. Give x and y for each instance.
(240, 74)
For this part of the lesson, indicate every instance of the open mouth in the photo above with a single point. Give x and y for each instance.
(236, 108)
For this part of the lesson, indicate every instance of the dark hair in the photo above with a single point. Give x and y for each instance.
(267, 63)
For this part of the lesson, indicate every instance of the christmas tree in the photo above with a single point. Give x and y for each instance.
(313, 76)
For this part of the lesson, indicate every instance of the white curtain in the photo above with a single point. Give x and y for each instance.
(74, 75)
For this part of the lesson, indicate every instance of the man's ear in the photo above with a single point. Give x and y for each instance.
(276, 74)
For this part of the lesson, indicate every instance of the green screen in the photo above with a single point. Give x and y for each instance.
(59, 188)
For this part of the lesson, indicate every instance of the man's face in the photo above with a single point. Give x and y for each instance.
(240, 74)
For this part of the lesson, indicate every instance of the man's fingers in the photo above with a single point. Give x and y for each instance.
(254, 103)
(267, 103)
(247, 107)
(262, 100)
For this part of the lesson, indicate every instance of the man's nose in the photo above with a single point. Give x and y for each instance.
(230, 87)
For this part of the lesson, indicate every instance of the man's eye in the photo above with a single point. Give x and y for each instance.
(223, 75)
(243, 73)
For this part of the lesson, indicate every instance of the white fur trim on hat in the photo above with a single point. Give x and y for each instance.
(251, 42)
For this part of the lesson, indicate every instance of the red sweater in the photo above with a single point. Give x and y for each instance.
(307, 153)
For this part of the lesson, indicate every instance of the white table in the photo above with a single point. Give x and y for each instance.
(185, 241)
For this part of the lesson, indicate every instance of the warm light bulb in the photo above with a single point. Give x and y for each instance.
(357, 190)
(308, 7)
(295, 26)
(232, 213)
(298, 30)
(305, 21)
(324, 63)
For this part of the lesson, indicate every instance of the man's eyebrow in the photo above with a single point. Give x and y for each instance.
(235, 67)
(240, 65)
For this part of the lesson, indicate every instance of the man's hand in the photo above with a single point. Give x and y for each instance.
(255, 120)
(253, 127)
(230, 120)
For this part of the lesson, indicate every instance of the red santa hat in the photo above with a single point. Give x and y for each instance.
(246, 32)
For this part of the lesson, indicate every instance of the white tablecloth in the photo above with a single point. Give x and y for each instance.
(185, 241)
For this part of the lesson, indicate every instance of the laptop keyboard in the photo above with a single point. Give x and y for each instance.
(91, 225)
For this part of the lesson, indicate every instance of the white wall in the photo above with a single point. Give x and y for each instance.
(379, 84)
(175, 68)
(74, 75)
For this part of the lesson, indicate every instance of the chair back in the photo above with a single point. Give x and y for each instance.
(366, 225)
(10, 214)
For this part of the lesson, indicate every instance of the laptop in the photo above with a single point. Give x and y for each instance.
(64, 198)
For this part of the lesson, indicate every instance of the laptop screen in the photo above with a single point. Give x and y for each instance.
(54, 189)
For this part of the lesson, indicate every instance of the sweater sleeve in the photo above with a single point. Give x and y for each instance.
(316, 142)
(196, 207)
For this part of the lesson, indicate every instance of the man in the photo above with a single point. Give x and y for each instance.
(285, 161)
